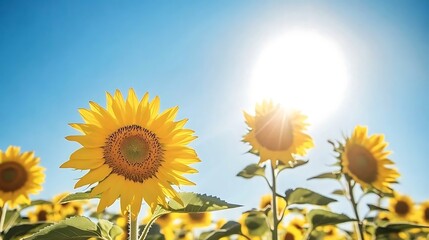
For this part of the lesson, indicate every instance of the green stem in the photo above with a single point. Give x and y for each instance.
(3, 217)
(354, 204)
(148, 226)
(308, 234)
(274, 193)
(133, 233)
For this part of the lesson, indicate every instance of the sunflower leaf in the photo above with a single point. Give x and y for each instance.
(21, 230)
(320, 217)
(329, 175)
(387, 228)
(195, 202)
(339, 192)
(77, 228)
(376, 208)
(251, 171)
(228, 229)
(291, 164)
(79, 196)
(306, 196)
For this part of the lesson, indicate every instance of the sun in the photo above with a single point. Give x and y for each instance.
(302, 70)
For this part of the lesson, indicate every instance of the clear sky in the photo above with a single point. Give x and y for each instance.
(55, 56)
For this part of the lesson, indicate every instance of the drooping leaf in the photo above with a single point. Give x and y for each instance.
(306, 196)
(228, 229)
(194, 202)
(339, 192)
(376, 208)
(291, 164)
(21, 230)
(79, 196)
(320, 217)
(388, 228)
(251, 171)
(328, 175)
(76, 228)
(256, 223)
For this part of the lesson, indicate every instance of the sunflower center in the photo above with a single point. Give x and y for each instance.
(274, 131)
(362, 163)
(133, 152)
(12, 176)
(196, 216)
(42, 215)
(402, 208)
(426, 214)
(289, 236)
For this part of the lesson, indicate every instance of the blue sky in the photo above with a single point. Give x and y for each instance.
(55, 56)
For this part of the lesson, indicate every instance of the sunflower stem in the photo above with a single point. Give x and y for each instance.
(3, 217)
(274, 193)
(308, 234)
(148, 226)
(354, 204)
(133, 233)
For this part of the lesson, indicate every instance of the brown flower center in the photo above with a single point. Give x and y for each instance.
(196, 216)
(426, 214)
(42, 215)
(289, 236)
(362, 164)
(402, 208)
(274, 130)
(133, 152)
(13, 176)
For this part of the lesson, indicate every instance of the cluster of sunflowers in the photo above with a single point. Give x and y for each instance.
(136, 154)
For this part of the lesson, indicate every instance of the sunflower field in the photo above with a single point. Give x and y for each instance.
(133, 152)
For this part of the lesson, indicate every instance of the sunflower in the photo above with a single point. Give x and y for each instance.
(401, 206)
(292, 233)
(69, 208)
(277, 134)
(365, 160)
(133, 152)
(43, 213)
(20, 175)
(424, 212)
(195, 220)
(266, 202)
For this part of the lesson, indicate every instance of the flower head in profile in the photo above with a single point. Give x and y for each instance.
(20, 175)
(277, 134)
(133, 152)
(366, 160)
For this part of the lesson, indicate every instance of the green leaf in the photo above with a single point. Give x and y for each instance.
(194, 202)
(306, 196)
(12, 217)
(79, 196)
(20, 230)
(77, 228)
(328, 175)
(388, 228)
(339, 192)
(320, 217)
(291, 164)
(228, 229)
(251, 171)
(256, 223)
(35, 203)
(376, 208)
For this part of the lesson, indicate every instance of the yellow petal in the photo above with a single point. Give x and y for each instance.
(94, 175)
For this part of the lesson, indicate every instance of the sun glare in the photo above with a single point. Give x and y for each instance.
(302, 70)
